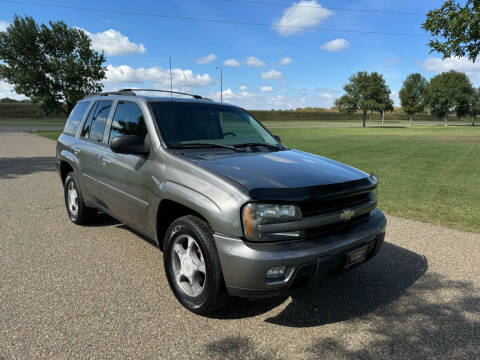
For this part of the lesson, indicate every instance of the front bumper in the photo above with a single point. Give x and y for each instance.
(245, 264)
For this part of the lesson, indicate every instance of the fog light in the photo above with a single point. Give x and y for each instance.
(276, 272)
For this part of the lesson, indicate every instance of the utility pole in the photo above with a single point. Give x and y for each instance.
(221, 83)
(383, 116)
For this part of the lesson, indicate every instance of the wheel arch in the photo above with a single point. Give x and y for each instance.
(65, 169)
(167, 212)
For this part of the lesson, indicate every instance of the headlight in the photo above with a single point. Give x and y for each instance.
(254, 214)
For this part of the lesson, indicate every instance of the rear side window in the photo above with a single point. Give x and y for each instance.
(97, 118)
(128, 120)
(75, 118)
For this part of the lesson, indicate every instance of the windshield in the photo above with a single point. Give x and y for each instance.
(184, 122)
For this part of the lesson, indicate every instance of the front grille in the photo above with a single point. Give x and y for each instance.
(315, 207)
(337, 228)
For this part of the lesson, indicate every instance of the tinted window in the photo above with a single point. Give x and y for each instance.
(76, 116)
(128, 120)
(97, 118)
(183, 122)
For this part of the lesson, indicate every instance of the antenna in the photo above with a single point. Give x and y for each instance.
(171, 79)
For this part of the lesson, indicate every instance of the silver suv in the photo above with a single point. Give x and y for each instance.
(235, 212)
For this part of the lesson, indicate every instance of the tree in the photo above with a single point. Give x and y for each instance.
(450, 92)
(458, 28)
(365, 92)
(475, 105)
(413, 95)
(53, 65)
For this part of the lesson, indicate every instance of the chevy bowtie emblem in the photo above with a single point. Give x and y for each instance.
(347, 214)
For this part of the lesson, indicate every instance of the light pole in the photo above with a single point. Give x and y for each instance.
(221, 83)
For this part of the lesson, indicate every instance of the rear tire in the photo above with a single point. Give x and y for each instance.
(192, 265)
(76, 209)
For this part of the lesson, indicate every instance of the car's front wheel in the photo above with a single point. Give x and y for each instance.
(76, 209)
(192, 265)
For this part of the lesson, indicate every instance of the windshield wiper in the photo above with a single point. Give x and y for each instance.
(204, 145)
(259, 144)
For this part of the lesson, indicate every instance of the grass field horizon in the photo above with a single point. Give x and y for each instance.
(425, 173)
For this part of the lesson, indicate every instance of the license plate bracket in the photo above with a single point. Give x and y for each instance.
(356, 256)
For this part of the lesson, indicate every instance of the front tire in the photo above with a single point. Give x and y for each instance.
(192, 266)
(76, 209)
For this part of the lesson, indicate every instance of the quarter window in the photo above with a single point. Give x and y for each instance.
(128, 120)
(95, 124)
(75, 118)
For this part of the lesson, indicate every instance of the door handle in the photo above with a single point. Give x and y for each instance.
(105, 162)
(76, 151)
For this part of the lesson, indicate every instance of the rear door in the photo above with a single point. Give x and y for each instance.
(89, 145)
(126, 180)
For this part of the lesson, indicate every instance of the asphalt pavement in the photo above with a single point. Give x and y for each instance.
(100, 292)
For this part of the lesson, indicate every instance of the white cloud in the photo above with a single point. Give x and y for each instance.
(253, 61)
(181, 78)
(229, 95)
(462, 64)
(336, 45)
(300, 15)
(207, 59)
(6, 91)
(285, 61)
(286, 99)
(266, 89)
(454, 63)
(231, 63)
(3, 25)
(113, 42)
(272, 74)
(243, 87)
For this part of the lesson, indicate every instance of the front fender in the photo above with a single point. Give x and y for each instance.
(223, 218)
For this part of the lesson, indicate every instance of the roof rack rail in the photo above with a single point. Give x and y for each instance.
(155, 90)
(106, 93)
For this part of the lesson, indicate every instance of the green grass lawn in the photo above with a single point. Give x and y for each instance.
(430, 174)
(49, 134)
(32, 121)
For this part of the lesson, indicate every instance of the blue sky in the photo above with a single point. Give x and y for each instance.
(316, 63)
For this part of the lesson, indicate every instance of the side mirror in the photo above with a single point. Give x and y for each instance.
(277, 138)
(129, 144)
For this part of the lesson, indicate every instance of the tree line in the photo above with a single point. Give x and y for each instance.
(447, 93)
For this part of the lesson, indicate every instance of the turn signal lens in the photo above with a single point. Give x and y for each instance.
(248, 222)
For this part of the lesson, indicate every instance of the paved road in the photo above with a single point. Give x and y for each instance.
(99, 292)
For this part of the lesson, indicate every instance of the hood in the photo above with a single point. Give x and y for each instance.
(278, 170)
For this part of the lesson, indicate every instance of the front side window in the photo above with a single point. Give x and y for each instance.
(184, 122)
(97, 118)
(75, 118)
(128, 120)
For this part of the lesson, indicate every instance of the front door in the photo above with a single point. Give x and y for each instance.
(126, 180)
